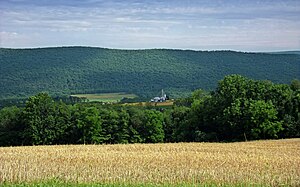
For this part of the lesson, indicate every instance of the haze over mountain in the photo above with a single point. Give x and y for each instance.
(66, 70)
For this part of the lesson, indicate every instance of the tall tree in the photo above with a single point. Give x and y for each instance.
(40, 118)
(136, 120)
(152, 131)
(46, 120)
(11, 127)
(262, 120)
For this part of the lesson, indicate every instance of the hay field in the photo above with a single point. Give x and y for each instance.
(106, 97)
(266, 163)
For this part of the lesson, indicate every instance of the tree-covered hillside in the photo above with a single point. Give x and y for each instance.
(238, 109)
(66, 70)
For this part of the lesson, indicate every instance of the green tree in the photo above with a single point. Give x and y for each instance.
(11, 127)
(122, 134)
(152, 128)
(291, 119)
(252, 119)
(62, 122)
(40, 116)
(295, 84)
(263, 121)
(47, 121)
(89, 124)
(109, 125)
(230, 88)
(234, 119)
(168, 126)
(231, 111)
(180, 127)
(136, 120)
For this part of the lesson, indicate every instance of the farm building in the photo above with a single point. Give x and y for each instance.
(163, 98)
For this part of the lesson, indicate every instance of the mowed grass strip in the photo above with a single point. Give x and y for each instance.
(106, 97)
(258, 163)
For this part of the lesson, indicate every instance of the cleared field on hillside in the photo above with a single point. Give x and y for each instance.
(166, 103)
(106, 97)
(266, 163)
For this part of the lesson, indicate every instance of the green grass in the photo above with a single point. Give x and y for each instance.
(106, 97)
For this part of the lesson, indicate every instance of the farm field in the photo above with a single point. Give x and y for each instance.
(106, 97)
(256, 163)
(166, 103)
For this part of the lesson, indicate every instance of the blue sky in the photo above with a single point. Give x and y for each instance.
(242, 25)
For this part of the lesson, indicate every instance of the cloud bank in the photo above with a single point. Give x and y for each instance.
(133, 24)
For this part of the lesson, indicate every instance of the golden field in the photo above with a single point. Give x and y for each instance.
(267, 163)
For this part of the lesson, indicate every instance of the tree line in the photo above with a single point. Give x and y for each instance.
(239, 109)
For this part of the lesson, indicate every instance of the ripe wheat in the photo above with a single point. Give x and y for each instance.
(271, 163)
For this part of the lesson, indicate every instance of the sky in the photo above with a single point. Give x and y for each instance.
(241, 25)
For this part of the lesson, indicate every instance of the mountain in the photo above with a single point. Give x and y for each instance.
(286, 52)
(69, 70)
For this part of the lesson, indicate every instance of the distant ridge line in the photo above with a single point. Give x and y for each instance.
(145, 49)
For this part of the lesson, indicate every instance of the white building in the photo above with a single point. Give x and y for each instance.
(163, 98)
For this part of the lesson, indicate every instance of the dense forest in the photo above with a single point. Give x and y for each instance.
(239, 109)
(67, 70)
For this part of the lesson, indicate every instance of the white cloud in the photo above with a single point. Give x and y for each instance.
(13, 39)
(131, 24)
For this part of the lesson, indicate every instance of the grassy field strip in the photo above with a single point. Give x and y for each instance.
(167, 103)
(105, 97)
(266, 163)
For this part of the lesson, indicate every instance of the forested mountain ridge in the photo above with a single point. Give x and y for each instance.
(66, 70)
(286, 52)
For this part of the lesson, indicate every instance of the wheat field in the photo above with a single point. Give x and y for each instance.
(263, 163)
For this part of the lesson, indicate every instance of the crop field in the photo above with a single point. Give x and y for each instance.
(257, 163)
(106, 97)
(161, 104)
